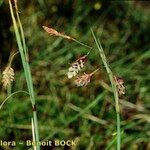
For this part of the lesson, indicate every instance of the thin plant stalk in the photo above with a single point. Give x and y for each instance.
(12, 58)
(10, 62)
(33, 132)
(9, 89)
(11, 95)
(82, 43)
(114, 88)
(21, 31)
(113, 141)
(27, 71)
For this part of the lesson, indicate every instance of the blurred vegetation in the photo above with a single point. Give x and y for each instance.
(124, 30)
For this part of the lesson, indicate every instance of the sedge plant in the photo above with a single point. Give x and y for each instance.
(85, 79)
(27, 71)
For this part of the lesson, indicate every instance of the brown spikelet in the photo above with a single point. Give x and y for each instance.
(8, 76)
(83, 80)
(119, 83)
(77, 66)
(53, 32)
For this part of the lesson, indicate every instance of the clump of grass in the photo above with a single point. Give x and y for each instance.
(114, 87)
(24, 58)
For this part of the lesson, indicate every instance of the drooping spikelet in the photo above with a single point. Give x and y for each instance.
(119, 83)
(53, 32)
(77, 66)
(8, 76)
(83, 80)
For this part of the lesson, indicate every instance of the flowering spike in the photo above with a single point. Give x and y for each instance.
(53, 32)
(8, 76)
(76, 66)
(119, 84)
(83, 80)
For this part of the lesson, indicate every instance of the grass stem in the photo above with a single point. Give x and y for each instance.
(23, 52)
(114, 88)
(82, 44)
(10, 95)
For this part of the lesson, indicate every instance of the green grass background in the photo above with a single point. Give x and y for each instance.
(123, 28)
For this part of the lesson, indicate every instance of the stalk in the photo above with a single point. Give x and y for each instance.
(114, 88)
(82, 44)
(9, 64)
(11, 95)
(21, 31)
(23, 52)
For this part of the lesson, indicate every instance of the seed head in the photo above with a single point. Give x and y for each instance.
(53, 32)
(119, 83)
(83, 80)
(8, 76)
(77, 66)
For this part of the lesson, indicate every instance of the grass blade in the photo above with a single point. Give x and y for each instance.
(23, 52)
(114, 88)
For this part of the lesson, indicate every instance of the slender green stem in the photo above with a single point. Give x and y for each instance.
(23, 52)
(113, 141)
(11, 96)
(9, 89)
(82, 44)
(9, 64)
(19, 42)
(118, 132)
(114, 88)
(12, 57)
(110, 74)
(21, 31)
(33, 133)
